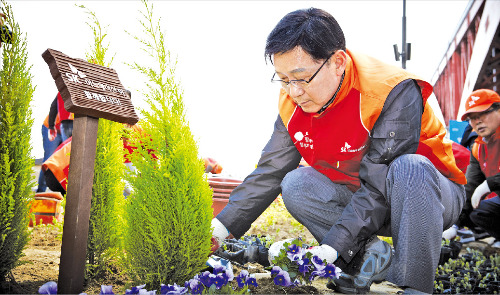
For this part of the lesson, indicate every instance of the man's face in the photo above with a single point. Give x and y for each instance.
(296, 64)
(485, 123)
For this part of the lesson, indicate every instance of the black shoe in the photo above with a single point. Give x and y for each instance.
(371, 267)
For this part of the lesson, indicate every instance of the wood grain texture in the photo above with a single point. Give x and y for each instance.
(90, 89)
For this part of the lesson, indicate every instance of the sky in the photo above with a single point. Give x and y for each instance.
(231, 105)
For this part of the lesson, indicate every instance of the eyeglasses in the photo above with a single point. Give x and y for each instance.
(480, 115)
(301, 82)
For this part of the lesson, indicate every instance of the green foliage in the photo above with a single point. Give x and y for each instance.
(169, 210)
(105, 223)
(16, 180)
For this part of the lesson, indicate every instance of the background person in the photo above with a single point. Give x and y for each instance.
(57, 109)
(49, 146)
(379, 161)
(482, 110)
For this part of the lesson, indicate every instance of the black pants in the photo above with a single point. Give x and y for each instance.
(53, 183)
(487, 216)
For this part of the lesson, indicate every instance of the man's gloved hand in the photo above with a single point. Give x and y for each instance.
(219, 233)
(480, 191)
(450, 233)
(52, 134)
(324, 252)
(275, 249)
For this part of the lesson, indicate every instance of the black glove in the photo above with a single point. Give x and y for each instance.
(250, 249)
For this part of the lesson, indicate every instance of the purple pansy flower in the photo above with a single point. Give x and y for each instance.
(304, 266)
(206, 279)
(220, 280)
(252, 281)
(331, 271)
(282, 279)
(297, 254)
(293, 249)
(218, 269)
(195, 285)
(317, 273)
(242, 278)
(106, 290)
(224, 277)
(134, 290)
(171, 289)
(318, 263)
(275, 270)
(48, 288)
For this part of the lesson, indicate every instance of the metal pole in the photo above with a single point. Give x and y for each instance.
(403, 50)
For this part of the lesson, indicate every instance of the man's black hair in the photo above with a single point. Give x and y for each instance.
(313, 29)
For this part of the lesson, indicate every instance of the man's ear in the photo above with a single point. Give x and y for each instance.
(340, 61)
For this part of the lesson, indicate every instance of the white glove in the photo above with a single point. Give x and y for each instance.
(220, 232)
(324, 252)
(275, 249)
(450, 233)
(480, 191)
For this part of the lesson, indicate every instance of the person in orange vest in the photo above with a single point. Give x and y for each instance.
(56, 167)
(65, 119)
(379, 163)
(49, 146)
(482, 110)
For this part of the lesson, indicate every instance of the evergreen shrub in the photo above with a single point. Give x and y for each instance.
(169, 211)
(16, 163)
(105, 225)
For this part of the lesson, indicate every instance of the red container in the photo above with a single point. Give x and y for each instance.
(45, 207)
(218, 204)
(222, 188)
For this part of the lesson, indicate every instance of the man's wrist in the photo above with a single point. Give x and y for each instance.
(220, 232)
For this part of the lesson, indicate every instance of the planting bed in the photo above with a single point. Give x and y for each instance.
(43, 252)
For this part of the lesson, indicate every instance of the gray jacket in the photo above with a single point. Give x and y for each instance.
(396, 132)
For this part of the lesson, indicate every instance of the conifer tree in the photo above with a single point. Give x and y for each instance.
(169, 211)
(107, 190)
(16, 163)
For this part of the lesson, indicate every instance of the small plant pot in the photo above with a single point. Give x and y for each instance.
(445, 255)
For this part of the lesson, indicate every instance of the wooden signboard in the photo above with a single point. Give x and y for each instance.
(91, 92)
(90, 89)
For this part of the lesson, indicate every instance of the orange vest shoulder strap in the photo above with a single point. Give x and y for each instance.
(475, 150)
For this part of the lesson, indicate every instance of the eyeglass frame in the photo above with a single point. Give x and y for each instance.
(286, 84)
(480, 115)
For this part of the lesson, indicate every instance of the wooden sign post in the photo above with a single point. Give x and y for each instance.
(90, 92)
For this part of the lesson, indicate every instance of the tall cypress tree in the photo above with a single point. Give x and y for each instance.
(107, 191)
(169, 211)
(16, 163)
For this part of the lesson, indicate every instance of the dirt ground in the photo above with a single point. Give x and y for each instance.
(44, 250)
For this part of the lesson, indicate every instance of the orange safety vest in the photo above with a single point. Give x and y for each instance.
(350, 118)
(58, 162)
(488, 156)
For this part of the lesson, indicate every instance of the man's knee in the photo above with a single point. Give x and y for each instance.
(411, 166)
(295, 180)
